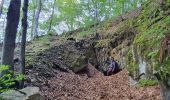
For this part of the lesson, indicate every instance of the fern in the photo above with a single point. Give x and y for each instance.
(7, 80)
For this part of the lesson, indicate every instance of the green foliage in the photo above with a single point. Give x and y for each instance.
(105, 25)
(32, 5)
(164, 69)
(147, 82)
(83, 34)
(153, 54)
(102, 43)
(151, 25)
(7, 80)
(151, 30)
(125, 25)
(132, 65)
(81, 13)
(44, 40)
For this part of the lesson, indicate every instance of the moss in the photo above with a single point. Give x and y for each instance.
(151, 25)
(37, 46)
(164, 69)
(132, 65)
(83, 34)
(79, 64)
(102, 43)
(146, 82)
(106, 25)
(125, 25)
(29, 61)
(149, 38)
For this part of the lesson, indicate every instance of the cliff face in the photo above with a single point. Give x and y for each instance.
(136, 41)
(133, 39)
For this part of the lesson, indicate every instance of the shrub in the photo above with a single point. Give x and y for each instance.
(8, 79)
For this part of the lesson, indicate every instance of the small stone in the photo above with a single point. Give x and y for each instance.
(60, 58)
(28, 93)
(33, 80)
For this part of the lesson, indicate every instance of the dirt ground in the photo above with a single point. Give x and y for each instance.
(67, 86)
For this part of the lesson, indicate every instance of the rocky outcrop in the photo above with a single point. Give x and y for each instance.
(65, 57)
(28, 93)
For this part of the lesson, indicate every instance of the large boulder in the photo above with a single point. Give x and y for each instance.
(28, 93)
(64, 57)
(79, 64)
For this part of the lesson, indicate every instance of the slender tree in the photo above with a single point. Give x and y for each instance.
(51, 21)
(13, 16)
(23, 40)
(34, 11)
(95, 15)
(36, 17)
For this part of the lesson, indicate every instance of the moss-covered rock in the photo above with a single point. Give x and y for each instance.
(64, 57)
(79, 64)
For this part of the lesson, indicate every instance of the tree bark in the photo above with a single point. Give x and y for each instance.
(32, 27)
(13, 16)
(51, 21)
(36, 18)
(23, 40)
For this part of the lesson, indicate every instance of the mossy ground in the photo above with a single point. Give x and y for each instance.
(147, 82)
(39, 45)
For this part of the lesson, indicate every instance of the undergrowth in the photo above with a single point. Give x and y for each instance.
(152, 25)
(146, 82)
(8, 80)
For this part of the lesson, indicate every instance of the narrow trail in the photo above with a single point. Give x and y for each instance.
(68, 86)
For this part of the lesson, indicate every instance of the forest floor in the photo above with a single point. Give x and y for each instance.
(70, 86)
(67, 86)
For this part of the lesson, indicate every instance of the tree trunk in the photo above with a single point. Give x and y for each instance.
(36, 18)
(51, 21)
(32, 27)
(4, 27)
(23, 40)
(13, 16)
(95, 16)
(1, 6)
(96, 19)
(123, 8)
